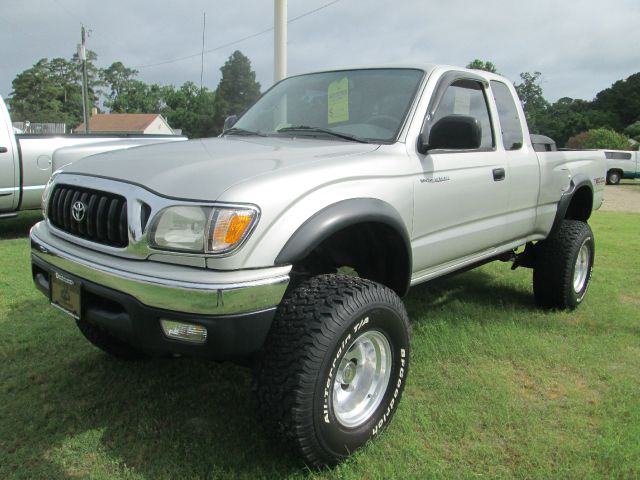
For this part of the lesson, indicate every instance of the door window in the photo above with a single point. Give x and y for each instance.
(467, 97)
(508, 115)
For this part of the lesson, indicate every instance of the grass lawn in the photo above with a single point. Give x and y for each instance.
(497, 388)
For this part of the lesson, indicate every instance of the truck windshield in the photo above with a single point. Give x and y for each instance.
(352, 105)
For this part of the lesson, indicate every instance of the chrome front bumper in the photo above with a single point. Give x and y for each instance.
(168, 287)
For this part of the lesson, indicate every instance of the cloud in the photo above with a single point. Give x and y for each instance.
(581, 48)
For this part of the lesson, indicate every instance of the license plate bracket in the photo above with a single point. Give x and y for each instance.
(66, 293)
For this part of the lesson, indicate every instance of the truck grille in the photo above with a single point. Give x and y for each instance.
(90, 214)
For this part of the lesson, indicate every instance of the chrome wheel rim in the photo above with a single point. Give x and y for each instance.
(581, 270)
(362, 379)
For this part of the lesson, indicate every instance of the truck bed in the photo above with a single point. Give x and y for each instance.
(562, 169)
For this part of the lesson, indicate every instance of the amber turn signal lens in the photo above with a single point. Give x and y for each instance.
(229, 227)
(237, 227)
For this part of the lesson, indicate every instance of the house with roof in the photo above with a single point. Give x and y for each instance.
(136, 123)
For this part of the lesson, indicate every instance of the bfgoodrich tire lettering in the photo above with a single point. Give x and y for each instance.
(564, 263)
(317, 329)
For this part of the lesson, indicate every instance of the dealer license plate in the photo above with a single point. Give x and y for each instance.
(65, 294)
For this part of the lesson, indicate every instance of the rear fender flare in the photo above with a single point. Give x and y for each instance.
(577, 182)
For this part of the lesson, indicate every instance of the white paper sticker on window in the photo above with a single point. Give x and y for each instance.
(462, 101)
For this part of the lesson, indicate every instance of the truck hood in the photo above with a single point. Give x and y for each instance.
(203, 169)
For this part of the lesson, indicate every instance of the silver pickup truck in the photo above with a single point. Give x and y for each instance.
(291, 238)
(26, 160)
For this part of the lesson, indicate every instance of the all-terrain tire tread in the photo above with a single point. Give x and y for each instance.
(553, 272)
(295, 348)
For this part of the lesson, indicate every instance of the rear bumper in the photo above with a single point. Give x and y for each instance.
(130, 304)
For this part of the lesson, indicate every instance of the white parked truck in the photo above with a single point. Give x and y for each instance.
(26, 160)
(233, 246)
(622, 164)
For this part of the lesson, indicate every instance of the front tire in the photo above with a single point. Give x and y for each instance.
(564, 263)
(335, 365)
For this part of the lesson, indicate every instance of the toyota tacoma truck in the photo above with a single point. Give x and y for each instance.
(26, 160)
(291, 238)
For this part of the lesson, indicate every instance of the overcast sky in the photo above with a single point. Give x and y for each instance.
(581, 47)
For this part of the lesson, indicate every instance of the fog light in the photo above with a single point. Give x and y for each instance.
(187, 332)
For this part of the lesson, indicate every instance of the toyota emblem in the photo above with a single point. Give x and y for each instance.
(77, 211)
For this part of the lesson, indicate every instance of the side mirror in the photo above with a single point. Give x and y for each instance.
(453, 132)
(229, 122)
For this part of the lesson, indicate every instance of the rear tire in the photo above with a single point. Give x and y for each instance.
(613, 177)
(108, 343)
(334, 367)
(563, 267)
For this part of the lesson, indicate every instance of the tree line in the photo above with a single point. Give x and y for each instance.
(607, 121)
(50, 91)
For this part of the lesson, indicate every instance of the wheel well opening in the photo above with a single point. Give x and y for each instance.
(374, 250)
(581, 205)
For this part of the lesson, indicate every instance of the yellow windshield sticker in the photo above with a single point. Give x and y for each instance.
(338, 101)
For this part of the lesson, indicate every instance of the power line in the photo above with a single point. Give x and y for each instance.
(225, 45)
(306, 14)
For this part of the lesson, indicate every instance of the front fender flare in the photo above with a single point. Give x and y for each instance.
(338, 216)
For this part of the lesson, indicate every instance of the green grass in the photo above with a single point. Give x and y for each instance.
(497, 388)
(18, 226)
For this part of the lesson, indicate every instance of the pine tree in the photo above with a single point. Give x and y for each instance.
(237, 89)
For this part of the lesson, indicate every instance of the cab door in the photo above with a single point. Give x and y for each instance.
(523, 167)
(461, 193)
(9, 169)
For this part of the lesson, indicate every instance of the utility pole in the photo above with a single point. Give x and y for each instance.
(280, 40)
(204, 26)
(85, 94)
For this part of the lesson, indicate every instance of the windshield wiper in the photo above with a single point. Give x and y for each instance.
(306, 128)
(242, 131)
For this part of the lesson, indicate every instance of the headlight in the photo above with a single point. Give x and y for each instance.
(202, 229)
(180, 228)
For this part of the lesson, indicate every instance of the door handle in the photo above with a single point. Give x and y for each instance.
(3, 150)
(498, 174)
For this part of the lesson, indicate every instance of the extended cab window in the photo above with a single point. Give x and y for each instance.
(466, 97)
(508, 115)
(617, 156)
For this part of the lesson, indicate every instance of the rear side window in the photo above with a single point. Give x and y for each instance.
(508, 115)
(617, 155)
(466, 97)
